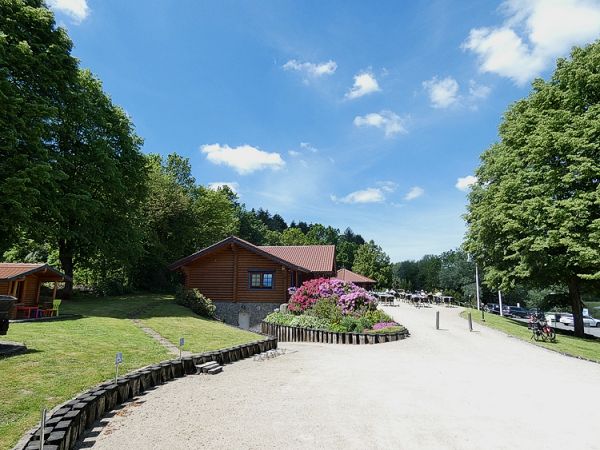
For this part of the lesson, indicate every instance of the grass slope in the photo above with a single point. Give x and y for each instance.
(67, 357)
(584, 348)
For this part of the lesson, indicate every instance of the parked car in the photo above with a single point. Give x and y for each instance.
(493, 308)
(588, 321)
(517, 311)
(564, 318)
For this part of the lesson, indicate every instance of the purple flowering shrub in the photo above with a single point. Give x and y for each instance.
(350, 298)
(382, 325)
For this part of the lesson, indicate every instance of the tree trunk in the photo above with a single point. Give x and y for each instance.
(575, 297)
(65, 255)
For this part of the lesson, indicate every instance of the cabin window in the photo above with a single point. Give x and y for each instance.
(261, 280)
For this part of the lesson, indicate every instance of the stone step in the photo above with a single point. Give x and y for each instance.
(203, 368)
(215, 370)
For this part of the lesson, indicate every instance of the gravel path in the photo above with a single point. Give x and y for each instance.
(446, 389)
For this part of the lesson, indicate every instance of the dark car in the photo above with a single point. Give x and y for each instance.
(493, 308)
(516, 311)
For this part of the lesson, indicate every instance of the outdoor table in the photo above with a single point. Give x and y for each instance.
(27, 310)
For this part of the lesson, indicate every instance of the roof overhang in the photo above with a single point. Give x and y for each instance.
(241, 243)
(44, 272)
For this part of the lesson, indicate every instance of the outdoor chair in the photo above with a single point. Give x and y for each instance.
(54, 311)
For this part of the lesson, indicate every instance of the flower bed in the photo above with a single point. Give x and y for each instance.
(285, 333)
(332, 306)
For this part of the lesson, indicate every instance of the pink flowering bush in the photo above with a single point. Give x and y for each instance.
(349, 297)
(382, 325)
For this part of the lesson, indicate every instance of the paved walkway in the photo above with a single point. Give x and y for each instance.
(447, 389)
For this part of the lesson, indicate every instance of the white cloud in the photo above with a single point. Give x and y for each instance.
(369, 195)
(78, 10)
(294, 153)
(390, 122)
(464, 183)
(216, 185)
(309, 147)
(244, 159)
(387, 186)
(312, 69)
(413, 193)
(478, 91)
(364, 83)
(442, 93)
(533, 35)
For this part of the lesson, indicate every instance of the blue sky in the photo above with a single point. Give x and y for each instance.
(352, 114)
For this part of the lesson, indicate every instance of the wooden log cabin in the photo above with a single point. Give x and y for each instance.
(24, 282)
(246, 282)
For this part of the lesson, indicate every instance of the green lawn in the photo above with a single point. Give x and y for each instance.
(586, 348)
(67, 357)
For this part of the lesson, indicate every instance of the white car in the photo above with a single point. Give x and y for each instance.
(587, 321)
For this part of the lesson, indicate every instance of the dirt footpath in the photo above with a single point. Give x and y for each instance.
(446, 389)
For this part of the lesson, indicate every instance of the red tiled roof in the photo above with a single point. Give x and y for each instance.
(305, 258)
(10, 271)
(314, 258)
(347, 275)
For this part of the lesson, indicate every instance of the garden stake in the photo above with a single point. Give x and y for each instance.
(42, 429)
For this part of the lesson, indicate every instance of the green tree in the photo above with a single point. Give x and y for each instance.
(534, 214)
(293, 236)
(92, 214)
(371, 261)
(168, 223)
(36, 70)
(457, 272)
(344, 253)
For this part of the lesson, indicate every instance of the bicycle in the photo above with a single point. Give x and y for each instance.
(541, 331)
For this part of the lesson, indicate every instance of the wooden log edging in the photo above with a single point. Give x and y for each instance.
(285, 333)
(68, 422)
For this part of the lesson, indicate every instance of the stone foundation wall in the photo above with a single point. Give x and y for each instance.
(229, 312)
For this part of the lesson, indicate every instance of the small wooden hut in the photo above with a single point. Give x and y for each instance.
(24, 282)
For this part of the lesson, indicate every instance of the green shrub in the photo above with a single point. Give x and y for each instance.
(327, 309)
(293, 320)
(110, 287)
(278, 318)
(194, 300)
(376, 316)
(351, 324)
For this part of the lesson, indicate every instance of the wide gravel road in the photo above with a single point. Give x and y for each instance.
(438, 389)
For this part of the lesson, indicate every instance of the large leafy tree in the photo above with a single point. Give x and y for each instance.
(92, 214)
(457, 272)
(535, 212)
(36, 70)
(371, 261)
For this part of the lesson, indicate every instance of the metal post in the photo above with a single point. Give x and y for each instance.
(470, 322)
(477, 285)
(500, 302)
(437, 320)
(43, 429)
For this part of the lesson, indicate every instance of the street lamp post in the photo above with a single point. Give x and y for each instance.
(477, 286)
